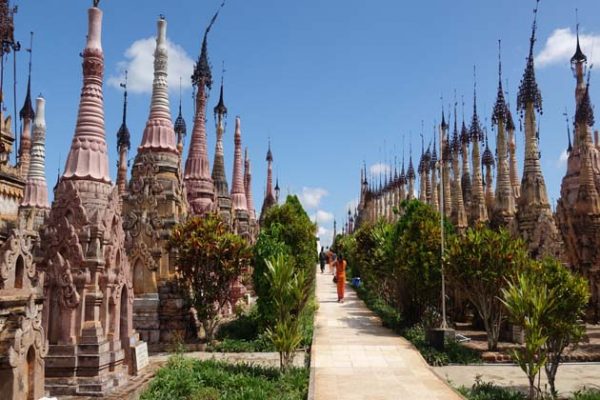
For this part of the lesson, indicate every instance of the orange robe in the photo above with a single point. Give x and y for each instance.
(340, 272)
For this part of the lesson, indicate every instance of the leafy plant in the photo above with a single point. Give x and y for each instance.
(529, 304)
(415, 248)
(290, 292)
(286, 230)
(561, 324)
(478, 264)
(210, 260)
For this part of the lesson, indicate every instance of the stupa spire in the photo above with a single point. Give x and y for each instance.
(504, 204)
(180, 126)
(27, 115)
(123, 143)
(410, 175)
(459, 214)
(534, 216)
(465, 139)
(578, 66)
(159, 134)
(36, 188)
(218, 173)
(238, 192)
(269, 200)
(88, 156)
(197, 176)
(478, 207)
(248, 186)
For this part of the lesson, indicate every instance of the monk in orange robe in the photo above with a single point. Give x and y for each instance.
(340, 271)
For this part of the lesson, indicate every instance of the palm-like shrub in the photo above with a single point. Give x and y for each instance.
(290, 290)
(547, 300)
(529, 304)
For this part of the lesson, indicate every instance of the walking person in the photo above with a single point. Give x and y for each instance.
(340, 271)
(322, 259)
(329, 255)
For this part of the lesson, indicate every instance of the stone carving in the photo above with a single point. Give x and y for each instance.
(17, 245)
(29, 333)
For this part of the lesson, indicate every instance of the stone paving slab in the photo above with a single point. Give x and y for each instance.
(354, 358)
(570, 377)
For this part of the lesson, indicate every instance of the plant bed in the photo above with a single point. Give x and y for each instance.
(588, 351)
(258, 345)
(488, 391)
(184, 378)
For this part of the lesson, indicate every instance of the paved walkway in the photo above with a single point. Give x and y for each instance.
(570, 377)
(353, 357)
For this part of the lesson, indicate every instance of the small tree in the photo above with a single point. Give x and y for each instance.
(478, 264)
(288, 230)
(415, 254)
(571, 295)
(529, 304)
(290, 291)
(210, 258)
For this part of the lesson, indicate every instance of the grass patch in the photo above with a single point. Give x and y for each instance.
(453, 352)
(258, 345)
(587, 394)
(488, 391)
(187, 379)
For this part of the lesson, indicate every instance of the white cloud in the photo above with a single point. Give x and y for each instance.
(562, 159)
(560, 47)
(322, 217)
(311, 197)
(380, 168)
(325, 236)
(139, 62)
(351, 205)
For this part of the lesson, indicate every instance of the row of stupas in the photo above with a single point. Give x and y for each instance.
(458, 179)
(86, 283)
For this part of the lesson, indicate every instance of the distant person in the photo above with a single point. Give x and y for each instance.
(329, 255)
(340, 273)
(322, 260)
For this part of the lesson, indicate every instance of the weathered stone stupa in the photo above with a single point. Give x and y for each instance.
(87, 278)
(534, 217)
(153, 204)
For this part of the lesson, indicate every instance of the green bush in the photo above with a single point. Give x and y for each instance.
(415, 245)
(587, 394)
(244, 327)
(258, 345)
(488, 391)
(188, 379)
(453, 352)
(288, 231)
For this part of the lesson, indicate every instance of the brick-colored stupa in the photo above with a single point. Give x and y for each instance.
(154, 202)
(88, 281)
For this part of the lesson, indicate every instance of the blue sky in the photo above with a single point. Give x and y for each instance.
(332, 83)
